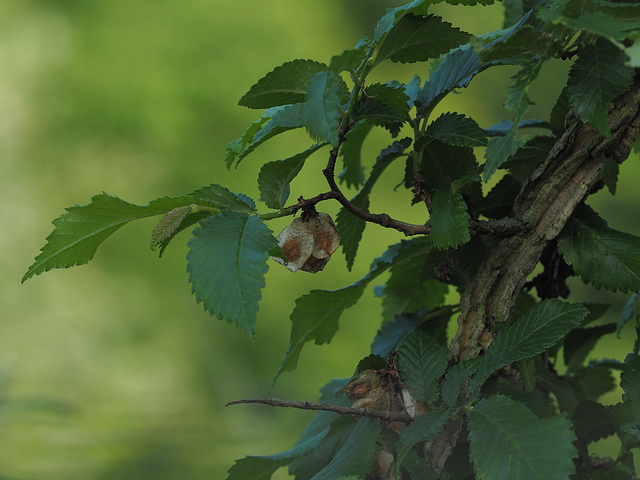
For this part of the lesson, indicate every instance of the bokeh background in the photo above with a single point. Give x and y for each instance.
(111, 370)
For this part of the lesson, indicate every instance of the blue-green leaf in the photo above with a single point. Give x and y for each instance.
(357, 455)
(263, 467)
(509, 441)
(227, 264)
(273, 121)
(426, 426)
(320, 111)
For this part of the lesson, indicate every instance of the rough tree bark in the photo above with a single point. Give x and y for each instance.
(547, 199)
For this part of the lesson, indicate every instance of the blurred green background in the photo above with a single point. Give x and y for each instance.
(111, 370)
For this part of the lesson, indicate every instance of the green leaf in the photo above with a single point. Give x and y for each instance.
(351, 153)
(389, 335)
(79, 231)
(171, 224)
(456, 376)
(592, 422)
(580, 342)
(320, 111)
(349, 60)
(524, 40)
(426, 426)
(459, 169)
(416, 38)
(284, 85)
(630, 379)
(509, 441)
(315, 317)
(357, 455)
(393, 15)
(406, 290)
(600, 255)
(227, 263)
(263, 467)
(458, 130)
(218, 196)
(455, 71)
(501, 148)
(273, 122)
(351, 227)
(421, 363)
(304, 468)
(596, 78)
(600, 23)
(543, 326)
(274, 177)
(449, 219)
(384, 105)
(316, 314)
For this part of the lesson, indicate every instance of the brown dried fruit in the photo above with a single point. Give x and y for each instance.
(308, 242)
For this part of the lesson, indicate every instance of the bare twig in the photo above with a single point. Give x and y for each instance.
(360, 412)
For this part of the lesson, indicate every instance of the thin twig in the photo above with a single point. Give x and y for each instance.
(379, 218)
(361, 412)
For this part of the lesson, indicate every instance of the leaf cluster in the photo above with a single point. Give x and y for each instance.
(528, 406)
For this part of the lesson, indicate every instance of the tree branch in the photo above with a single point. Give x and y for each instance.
(543, 206)
(403, 417)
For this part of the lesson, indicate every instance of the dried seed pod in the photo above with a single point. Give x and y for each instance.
(308, 242)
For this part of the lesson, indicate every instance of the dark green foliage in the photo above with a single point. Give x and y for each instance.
(509, 441)
(226, 265)
(516, 393)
